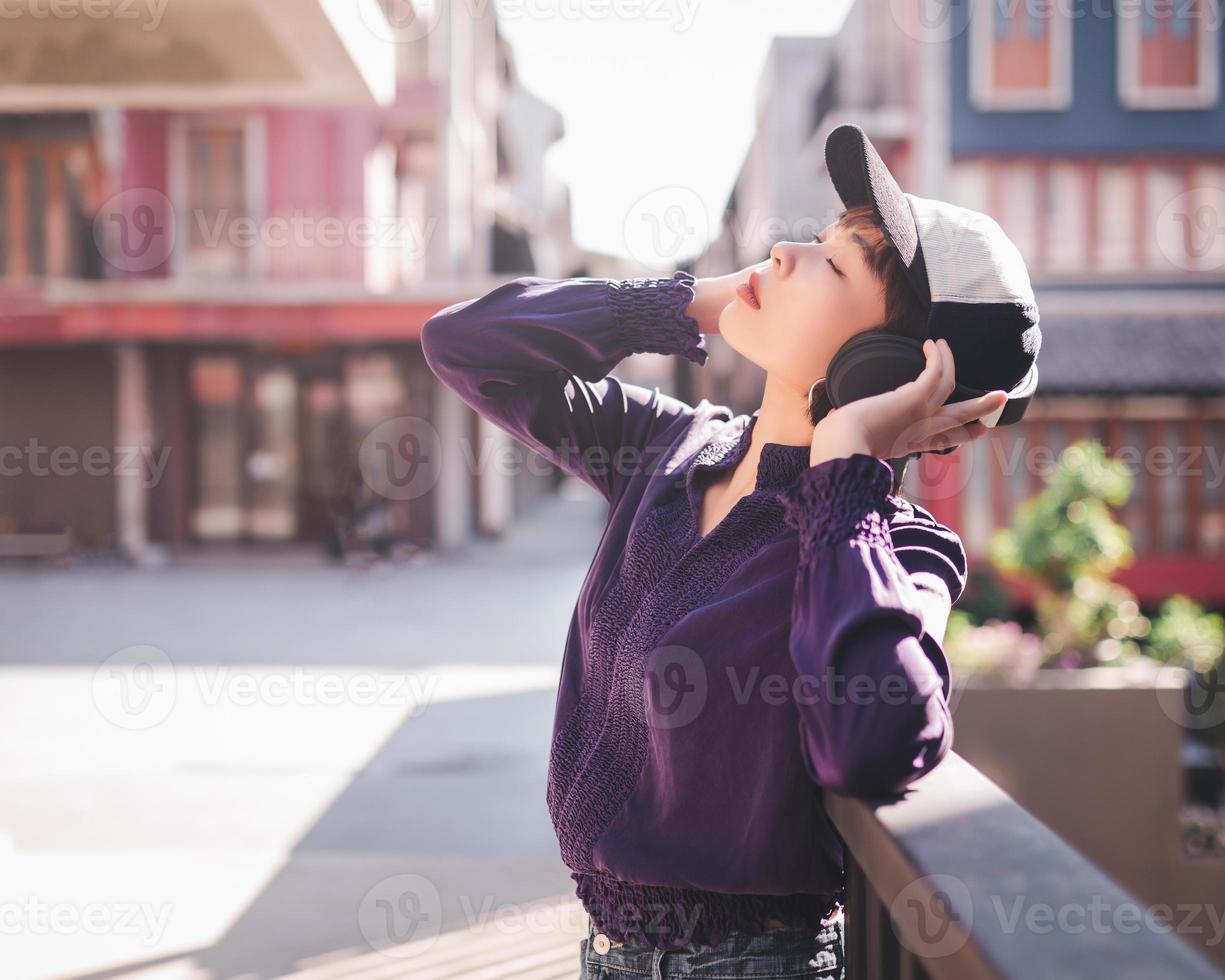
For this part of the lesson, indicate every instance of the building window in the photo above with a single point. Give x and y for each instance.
(416, 173)
(217, 201)
(375, 392)
(1065, 225)
(1164, 190)
(45, 218)
(1133, 512)
(1211, 531)
(1167, 54)
(1202, 219)
(216, 386)
(1016, 203)
(1116, 219)
(1020, 55)
(968, 185)
(1171, 482)
(272, 464)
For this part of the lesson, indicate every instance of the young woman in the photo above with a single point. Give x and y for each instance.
(763, 617)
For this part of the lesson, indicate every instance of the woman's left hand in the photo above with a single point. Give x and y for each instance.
(909, 419)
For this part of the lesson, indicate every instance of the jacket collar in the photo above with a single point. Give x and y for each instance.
(777, 468)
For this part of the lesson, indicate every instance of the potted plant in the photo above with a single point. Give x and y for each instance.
(1083, 718)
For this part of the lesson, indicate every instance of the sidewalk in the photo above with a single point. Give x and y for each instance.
(511, 949)
(310, 739)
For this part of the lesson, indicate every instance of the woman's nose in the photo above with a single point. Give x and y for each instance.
(782, 257)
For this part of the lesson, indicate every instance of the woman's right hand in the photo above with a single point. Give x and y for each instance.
(712, 295)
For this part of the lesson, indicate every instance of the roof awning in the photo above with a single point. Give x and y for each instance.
(58, 312)
(1132, 342)
(183, 54)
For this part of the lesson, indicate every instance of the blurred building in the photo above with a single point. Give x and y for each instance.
(220, 233)
(1098, 143)
(1096, 137)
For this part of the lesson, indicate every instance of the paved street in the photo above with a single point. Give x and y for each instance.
(285, 767)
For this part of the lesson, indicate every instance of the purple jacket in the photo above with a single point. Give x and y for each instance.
(711, 687)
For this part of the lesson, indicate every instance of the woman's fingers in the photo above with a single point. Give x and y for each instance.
(927, 383)
(947, 375)
(942, 425)
(950, 437)
(934, 383)
(961, 413)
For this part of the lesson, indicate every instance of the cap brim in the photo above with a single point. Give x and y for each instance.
(860, 176)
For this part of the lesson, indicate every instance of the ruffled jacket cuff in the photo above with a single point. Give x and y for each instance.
(839, 499)
(651, 312)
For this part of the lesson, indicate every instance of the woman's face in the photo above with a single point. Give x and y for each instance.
(812, 297)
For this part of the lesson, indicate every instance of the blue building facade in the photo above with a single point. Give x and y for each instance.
(1096, 120)
(1094, 132)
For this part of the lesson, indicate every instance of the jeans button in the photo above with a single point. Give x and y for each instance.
(601, 943)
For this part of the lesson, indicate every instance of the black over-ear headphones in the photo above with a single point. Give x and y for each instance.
(872, 363)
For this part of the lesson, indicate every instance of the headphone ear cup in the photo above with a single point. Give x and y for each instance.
(872, 363)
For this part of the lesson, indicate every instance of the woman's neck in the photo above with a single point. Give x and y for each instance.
(782, 417)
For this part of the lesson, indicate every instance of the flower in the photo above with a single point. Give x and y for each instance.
(997, 648)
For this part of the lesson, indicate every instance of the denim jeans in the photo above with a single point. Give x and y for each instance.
(788, 952)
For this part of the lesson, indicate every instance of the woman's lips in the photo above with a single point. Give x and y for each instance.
(747, 291)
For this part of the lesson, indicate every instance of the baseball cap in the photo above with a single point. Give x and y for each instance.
(961, 262)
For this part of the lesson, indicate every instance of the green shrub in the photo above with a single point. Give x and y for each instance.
(1066, 541)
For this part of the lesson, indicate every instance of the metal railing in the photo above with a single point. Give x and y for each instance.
(958, 880)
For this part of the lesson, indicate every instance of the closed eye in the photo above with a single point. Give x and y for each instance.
(841, 274)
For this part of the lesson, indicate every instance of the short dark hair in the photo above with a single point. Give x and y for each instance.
(906, 311)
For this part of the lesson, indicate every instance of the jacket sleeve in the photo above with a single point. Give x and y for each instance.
(877, 577)
(533, 356)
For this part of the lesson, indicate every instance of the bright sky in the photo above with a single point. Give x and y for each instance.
(658, 100)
